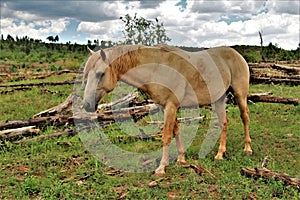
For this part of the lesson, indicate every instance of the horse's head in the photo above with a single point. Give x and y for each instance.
(99, 78)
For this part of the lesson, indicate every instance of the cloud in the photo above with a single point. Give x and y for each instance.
(188, 22)
(35, 29)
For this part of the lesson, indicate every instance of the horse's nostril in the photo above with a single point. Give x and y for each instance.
(86, 106)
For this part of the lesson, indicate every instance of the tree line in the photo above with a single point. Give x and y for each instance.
(138, 30)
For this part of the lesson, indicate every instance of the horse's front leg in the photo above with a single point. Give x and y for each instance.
(169, 123)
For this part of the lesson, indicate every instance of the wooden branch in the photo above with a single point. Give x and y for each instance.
(263, 172)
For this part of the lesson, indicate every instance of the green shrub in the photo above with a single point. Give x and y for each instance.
(13, 68)
(52, 68)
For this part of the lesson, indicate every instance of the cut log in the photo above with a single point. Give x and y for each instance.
(289, 69)
(269, 80)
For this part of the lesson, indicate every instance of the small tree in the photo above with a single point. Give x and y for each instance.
(50, 38)
(138, 30)
(56, 39)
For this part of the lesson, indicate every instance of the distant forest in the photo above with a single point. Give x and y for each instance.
(34, 50)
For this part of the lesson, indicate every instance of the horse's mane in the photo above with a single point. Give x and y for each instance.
(124, 57)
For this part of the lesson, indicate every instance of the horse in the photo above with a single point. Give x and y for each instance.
(172, 78)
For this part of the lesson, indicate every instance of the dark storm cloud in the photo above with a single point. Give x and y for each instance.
(147, 4)
(290, 7)
(82, 11)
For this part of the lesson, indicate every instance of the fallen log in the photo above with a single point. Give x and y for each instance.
(268, 98)
(265, 173)
(39, 84)
(40, 122)
(115, 115)
(13, 134)
(16, 89)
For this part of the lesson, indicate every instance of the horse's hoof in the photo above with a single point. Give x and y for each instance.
(248, 153)
(160, 171)
(219, 157)
(181, 162)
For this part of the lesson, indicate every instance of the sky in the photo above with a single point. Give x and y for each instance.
(188, 23)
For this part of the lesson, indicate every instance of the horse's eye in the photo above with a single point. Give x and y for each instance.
(99, 75)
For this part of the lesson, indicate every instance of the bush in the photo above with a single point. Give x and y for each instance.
(251, 57)
(52, 68)
(13, 68)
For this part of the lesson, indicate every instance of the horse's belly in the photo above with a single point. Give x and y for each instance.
(204, 94)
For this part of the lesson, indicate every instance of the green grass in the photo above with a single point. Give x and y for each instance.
(63, 168)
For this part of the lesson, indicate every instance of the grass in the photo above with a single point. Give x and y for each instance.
(63, 168)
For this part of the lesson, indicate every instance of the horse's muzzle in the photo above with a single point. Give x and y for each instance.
(88, 107)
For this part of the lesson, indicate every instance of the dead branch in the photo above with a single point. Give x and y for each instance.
(46, 136)
(62, 109)
(180, 120)
(120, 102)
(199, 169)
(265, 173)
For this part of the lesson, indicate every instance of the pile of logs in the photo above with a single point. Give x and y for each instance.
(264, 73)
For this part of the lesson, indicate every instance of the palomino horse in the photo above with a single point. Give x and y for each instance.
(172, 78)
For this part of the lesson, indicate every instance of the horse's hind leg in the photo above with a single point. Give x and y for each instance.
(242, 103)
(179, 144)
(223, 122)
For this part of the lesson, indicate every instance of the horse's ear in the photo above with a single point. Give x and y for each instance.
(102, 53)
(89, 50)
